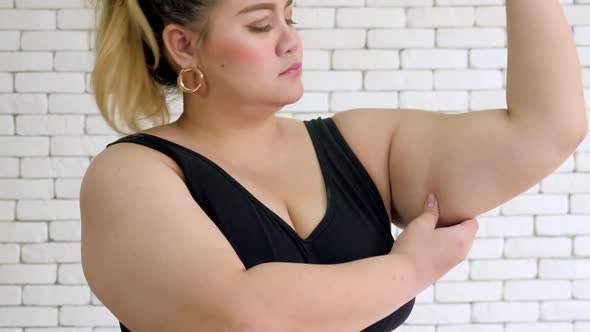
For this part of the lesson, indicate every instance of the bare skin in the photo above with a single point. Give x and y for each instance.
(232, 118)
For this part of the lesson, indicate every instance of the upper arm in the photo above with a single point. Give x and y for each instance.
(149, 252)
(368, 133)
(472, 161)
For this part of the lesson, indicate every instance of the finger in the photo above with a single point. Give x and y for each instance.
(431, 209)
(467, 228)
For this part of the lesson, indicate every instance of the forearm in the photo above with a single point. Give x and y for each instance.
(327, 297)
(544, 80)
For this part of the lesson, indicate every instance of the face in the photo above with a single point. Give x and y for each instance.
(250, 43)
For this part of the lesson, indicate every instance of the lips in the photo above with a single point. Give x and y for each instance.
(294, 66)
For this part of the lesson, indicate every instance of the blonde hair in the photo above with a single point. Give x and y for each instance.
(131, 74)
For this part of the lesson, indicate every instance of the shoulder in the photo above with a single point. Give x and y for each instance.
(122, 169)
(133, 155)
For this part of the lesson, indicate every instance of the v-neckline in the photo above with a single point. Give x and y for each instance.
(326, 178)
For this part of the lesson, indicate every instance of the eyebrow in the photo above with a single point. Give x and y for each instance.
(262, 5)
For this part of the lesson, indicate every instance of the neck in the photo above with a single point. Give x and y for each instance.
(234, 128)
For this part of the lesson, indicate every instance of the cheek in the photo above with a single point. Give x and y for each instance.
(239, 55)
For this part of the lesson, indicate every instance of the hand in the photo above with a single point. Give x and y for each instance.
(434, 251)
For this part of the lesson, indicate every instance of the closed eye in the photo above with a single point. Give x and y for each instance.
(269, 27)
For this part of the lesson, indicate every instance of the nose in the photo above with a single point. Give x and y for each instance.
(289, 40)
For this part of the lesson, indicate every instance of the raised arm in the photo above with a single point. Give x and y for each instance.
(475, 161)
(544, 93)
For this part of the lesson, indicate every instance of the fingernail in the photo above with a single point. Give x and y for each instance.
(430, 200)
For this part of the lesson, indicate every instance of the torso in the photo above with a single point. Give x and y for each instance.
(291, 186)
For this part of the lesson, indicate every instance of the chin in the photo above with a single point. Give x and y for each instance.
(293, 96)
(284, 99)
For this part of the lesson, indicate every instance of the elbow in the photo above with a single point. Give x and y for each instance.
(583, 130)
(572, 135)
(579, 135)
(253, 323)
(258, 321)
(248, 316)
(243, 318)
(583, 127)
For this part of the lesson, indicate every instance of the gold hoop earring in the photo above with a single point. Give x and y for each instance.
(180, 80)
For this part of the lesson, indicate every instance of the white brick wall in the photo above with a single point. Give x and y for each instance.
(528, 270)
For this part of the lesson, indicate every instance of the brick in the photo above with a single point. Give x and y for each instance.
(6, 82)
(86, 316)
(536, 204)
(23, 231)
(566, 183)
(563, 225)
(51, 124)
(51, 252)
(6, 125)
(53, 4)
(54, 295)
(15, 146)
(314, 17)
(71, 274)
(565, 310)
(400, 38)
(9, 253)
(370, 17)
(538, 247)
(333, 38)
(26, 61)
(27, 274)
(7, 211)
(493, 269)
(581, 289)
(28, 316)
(505, 311)
(427, 17)
(365, 59)
(74, 61)
(75, 19)
(55, 40)
(18, 19)
(467, 79)
(68, 188)
(471, 38)
(518, 290)
(26, 188)
(57, 209)
(10, 295)
(65, 230)
(23, 103)
(51, 167)
(49, 82)
(72, 103)
(9, 40)
(398, 80)
(472, 291)
(564, 269)
(582, 246)
(434, 59)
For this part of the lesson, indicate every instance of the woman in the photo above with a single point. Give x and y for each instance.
(234, 219)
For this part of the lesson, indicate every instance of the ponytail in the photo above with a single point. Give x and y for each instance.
(121, 81)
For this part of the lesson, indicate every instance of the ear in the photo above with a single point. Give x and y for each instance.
(180, 44)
